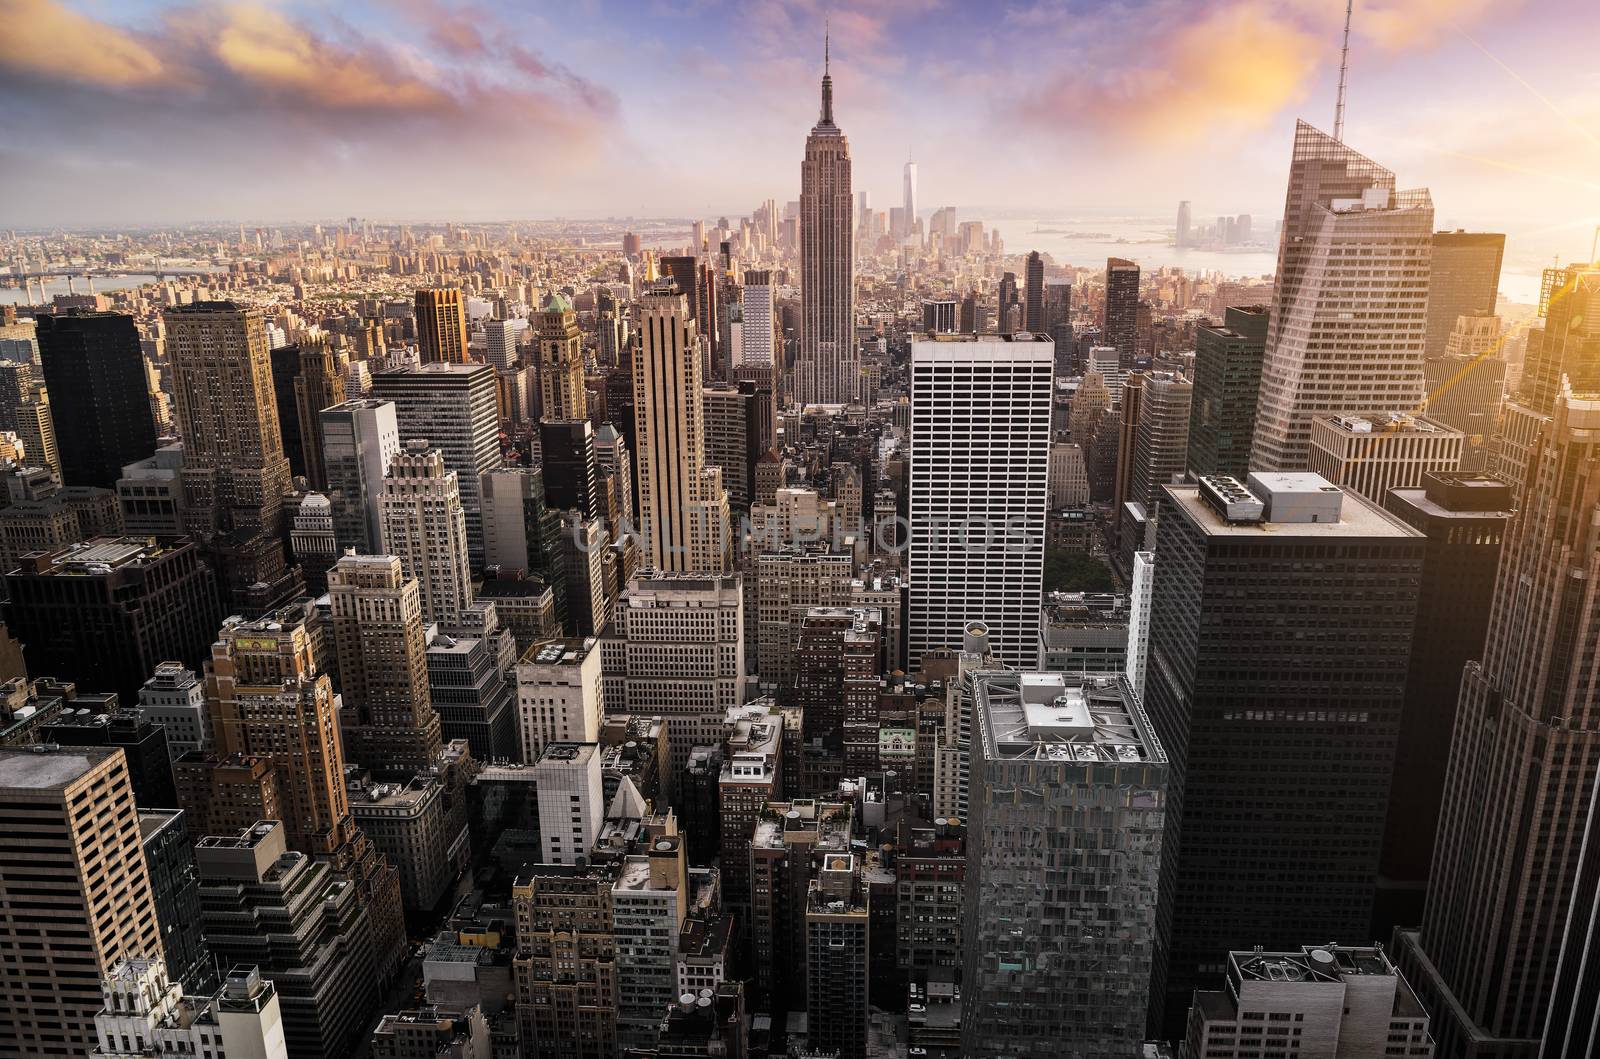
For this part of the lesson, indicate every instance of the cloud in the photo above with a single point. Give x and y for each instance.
(45, 40)
(1237, 66)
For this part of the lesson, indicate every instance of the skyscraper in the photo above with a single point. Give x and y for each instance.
(1227, 384)
(1076, 980)
(758, 328)
(1160, 450)
(827, 370)
(908, 198)
(235, 474)
(388, 717)
(1465, 282)
(1182, 239)
(1519, 785)
(1349, 313)
(424, 525)
(682, 505)
(441, 326)
(561, 362)
(454, 407)
(1033, 314)
(1280, 620)
(319, 385)
(980, 462)
(74, 861)
(1120, 325)
(1007, 301)
(95, 370)
(360, 439)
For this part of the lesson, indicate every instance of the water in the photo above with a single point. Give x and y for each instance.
(52, 287)
(1086, 242)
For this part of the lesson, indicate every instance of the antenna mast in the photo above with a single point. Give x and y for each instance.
(1344, 70)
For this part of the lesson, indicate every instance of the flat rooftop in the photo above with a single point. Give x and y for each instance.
(1066, 717)
(48, 767)
(1358, 518)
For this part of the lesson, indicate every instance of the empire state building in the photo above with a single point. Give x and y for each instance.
(829, 368)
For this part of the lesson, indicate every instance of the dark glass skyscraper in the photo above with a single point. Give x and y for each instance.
(98, 395)
(1121, 325)
(1033, 318)
(1227, 381)
(1280, 636)
(1465, 281)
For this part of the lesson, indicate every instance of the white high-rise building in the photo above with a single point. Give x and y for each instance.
(758, 329)
(980, 461)
(175, 697)
(683, 507)
(424, 525)
(500, 347)
(571, 800)
(560, 695)
(1144, 579)
(909, 196)
(828, 369)
(1349, 317)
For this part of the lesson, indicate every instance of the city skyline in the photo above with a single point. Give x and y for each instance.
(195, 94)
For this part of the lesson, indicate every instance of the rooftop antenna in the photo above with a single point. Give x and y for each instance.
(1344, 70)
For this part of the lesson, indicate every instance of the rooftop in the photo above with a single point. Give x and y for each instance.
(1063, 717)
(48, 767)
(1258, 511)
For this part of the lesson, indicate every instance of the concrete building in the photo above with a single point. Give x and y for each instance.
(649, 905)
(1323, 1000)
(979, 491)
(360, 439)
(1084, 632)
(677, 649)
(1076, 758)
(1309, 581)
(409, 824)
(145, 1013)
(150, 494)
(571, 800)
(561, 363)
(560, 695)
(683, 507)
(838, 958)
(441, 326)
(454, 407)
(424, 524)
(302, 924)
(1373, 455)
(430, 1033)
(1069, 475)
(1349, 315)
(70, 816)
(566, 962)
(471, 684)
(1139, 597)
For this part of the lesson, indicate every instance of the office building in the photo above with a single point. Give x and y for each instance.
(150, 494)
(94, 367)
(561, 363)
(1567, 345)
(453, 406)
(1139, 597)
(522, 531)
(759, 343)
(930, 867)
(175, 698)
(1349, 313)
(433, 1033)
(106, 612)
(733, 438)
(1008, 307)
(1323, 588)
(1158, 454)
(441, 326)
(788, 847)
(70, 817)
(424, 524)
(1184, 222)
(1464, 518)
(571, 472)
(469, 681)
(410, 824)
(235, 473)
(1333, 1000)
(1033, 315)
(649, 908)
(1120, 323)
(318, 385)
(360, 439)
(1504, 876)
(1083, 632)
(144, 1012)
(566, 962)
(837, 958)
(1465, 281)
(109, 725)
(1069, 476)
(387, 716)
(303, 926)
(1466, 388)
(683, 507)
(571, 800)
(828, 367)
(560, 695)
(749, 779)
(789, 580)
(677, 649)
(1373, 455)
(939, 316)
(1076, 981)
(169, 859)
(979, 491)
(1227, 384)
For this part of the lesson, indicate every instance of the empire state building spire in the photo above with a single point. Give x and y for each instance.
(827, 85)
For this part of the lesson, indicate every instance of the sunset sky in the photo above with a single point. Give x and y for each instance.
(153, 111)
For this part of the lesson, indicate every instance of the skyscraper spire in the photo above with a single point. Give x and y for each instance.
(1344, 69)
(827, 81)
